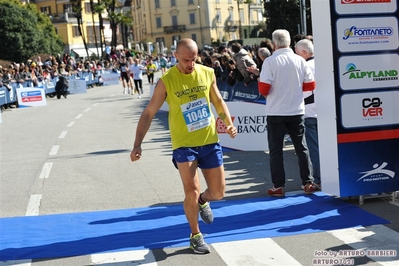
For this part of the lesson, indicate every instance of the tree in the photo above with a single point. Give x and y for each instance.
(99, 9)
(285, 15)
(94, 24)
(77, 9)
(26, 33)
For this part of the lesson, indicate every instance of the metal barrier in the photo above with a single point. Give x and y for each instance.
(9, 96)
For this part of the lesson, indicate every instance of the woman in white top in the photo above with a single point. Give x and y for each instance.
(136, 73)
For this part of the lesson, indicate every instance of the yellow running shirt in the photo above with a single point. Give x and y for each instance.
(191, 121)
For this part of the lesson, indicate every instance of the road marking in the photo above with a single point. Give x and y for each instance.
(263, 251)
(375, 237)
(46, 170)
(88, 109)
(63, 134)
(134, 257)
(78, 116)
(71, 124)
(54, 150)
(33, 205)
(96, 104)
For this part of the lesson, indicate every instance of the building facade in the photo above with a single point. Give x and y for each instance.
(205, 21)
(66, 25)
(161, 22)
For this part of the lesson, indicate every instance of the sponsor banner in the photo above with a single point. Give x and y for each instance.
(364, 6)
(367, 34)
(362, 72)
(77, 86)
(250, 121)
(370, 109)
(31, 97)
(110, 79)
(367, 169)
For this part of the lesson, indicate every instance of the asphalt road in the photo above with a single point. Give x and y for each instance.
(72, 155)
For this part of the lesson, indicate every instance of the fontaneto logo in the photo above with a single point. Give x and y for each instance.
(379, 75)
(377, 173)
(364, 1)
(368, 32)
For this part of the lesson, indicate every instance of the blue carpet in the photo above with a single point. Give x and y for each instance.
(63, 235)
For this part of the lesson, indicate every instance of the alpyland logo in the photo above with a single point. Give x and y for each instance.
(378, 173)
(379, 75)
(354, 32)
(364, 1)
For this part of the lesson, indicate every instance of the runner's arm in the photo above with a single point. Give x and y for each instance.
(146, 118)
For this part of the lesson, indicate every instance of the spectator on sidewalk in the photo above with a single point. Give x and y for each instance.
(304, 48)
(284, 77)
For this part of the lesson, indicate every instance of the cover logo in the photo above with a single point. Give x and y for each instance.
(372, 107)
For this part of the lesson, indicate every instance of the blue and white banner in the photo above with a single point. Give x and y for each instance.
(110, 78)
(28, 97)
(77, 86)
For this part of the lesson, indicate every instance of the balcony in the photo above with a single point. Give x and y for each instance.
(175, 28)
(63, 17)
(231, 26)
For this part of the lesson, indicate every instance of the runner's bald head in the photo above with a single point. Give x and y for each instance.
(188, 44)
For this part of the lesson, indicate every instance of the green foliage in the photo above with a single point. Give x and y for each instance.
(285, 15)
(26, 32)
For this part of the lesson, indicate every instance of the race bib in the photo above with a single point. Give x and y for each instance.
(196, 114)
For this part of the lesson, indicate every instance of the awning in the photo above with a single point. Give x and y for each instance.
(82, 52)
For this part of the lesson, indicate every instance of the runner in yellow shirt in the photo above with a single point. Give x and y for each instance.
(189, 89)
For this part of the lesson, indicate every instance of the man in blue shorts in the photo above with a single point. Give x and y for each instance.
(189, 89)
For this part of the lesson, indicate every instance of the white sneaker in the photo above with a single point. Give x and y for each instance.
(124, 91)
(139, 96)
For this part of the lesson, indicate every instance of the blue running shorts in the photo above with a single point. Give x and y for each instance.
(208, 156)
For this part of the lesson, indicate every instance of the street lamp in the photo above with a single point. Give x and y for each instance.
(302, 7)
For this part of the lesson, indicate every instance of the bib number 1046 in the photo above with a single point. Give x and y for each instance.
(196, 114)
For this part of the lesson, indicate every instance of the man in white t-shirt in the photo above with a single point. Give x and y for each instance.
(304, 48)
(284, 77)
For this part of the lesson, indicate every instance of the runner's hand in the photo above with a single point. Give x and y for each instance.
(232, 131)
(135, 155)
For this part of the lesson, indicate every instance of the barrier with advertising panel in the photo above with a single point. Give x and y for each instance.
(357, 65)
(28, 97)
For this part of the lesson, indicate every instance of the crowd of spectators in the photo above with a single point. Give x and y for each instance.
(238, 63)
(36, 71)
